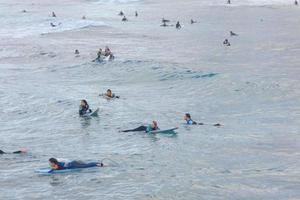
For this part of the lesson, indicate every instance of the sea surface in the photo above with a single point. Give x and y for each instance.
(252, 88)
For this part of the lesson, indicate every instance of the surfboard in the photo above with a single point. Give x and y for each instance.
(50, 171)
(165, 131)
(92, 114)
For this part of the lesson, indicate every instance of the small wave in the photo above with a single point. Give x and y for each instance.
(27, 28)
(186, 75)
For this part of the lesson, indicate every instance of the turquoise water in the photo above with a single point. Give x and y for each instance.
(252, 88)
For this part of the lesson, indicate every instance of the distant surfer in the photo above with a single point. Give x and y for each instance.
(163, 20)
(233, 34)
(164, 24)
(14, 152)
(124, 19)
(121, 13)
(24, 11)
(109, 95)
(226, 42)
(136, 14)
(228, 2)
(53, 14)
(76, 52)
(84, 108)
(150, 127)
(296, 2)
(83, 17)
(189, 121)
(178, 26)
(192, 21)
(76, 164)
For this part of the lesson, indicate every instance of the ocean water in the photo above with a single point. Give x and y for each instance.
(251, 88)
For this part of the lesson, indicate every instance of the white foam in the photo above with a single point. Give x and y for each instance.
(28, 27)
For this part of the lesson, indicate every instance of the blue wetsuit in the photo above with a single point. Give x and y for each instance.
(76, 164)
(190, 122)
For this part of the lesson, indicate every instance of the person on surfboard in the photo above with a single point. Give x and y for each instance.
(76, 164)
(150, 127)
(189, 121)
(84, 107)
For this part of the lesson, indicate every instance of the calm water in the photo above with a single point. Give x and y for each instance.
(252, 88)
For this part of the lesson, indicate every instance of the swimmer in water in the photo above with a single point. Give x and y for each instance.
(192, 21)
(53, 14)
(228, 2)
(178, 26)
(296, 2)
(76, 52)
(124, 19)
(121, 13)
(226, 42)
(188, 119)
(150, 127)
(76, 164)
(109, 95)
(84, 108)
(15, 152)
(136, 14)
(83, 17)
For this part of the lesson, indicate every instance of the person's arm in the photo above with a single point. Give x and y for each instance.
(148, 129)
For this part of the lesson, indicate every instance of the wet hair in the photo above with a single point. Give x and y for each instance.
(188, 115)
(53, 160)
(155, 123)
(109, 90)
(84, 101)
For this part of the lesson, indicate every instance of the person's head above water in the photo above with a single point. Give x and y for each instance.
(83, 102)
(154, 125)
(109, 93)
(54, 164)
(187, 116)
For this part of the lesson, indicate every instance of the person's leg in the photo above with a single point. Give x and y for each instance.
(80, 164)
(140, 128)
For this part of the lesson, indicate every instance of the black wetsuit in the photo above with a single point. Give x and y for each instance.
(16, 152)
(84, 109)
(140, 128)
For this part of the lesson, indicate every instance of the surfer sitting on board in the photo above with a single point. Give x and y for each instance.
(84, 107)
(150, 127)
(15, 152)
(56, 165)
